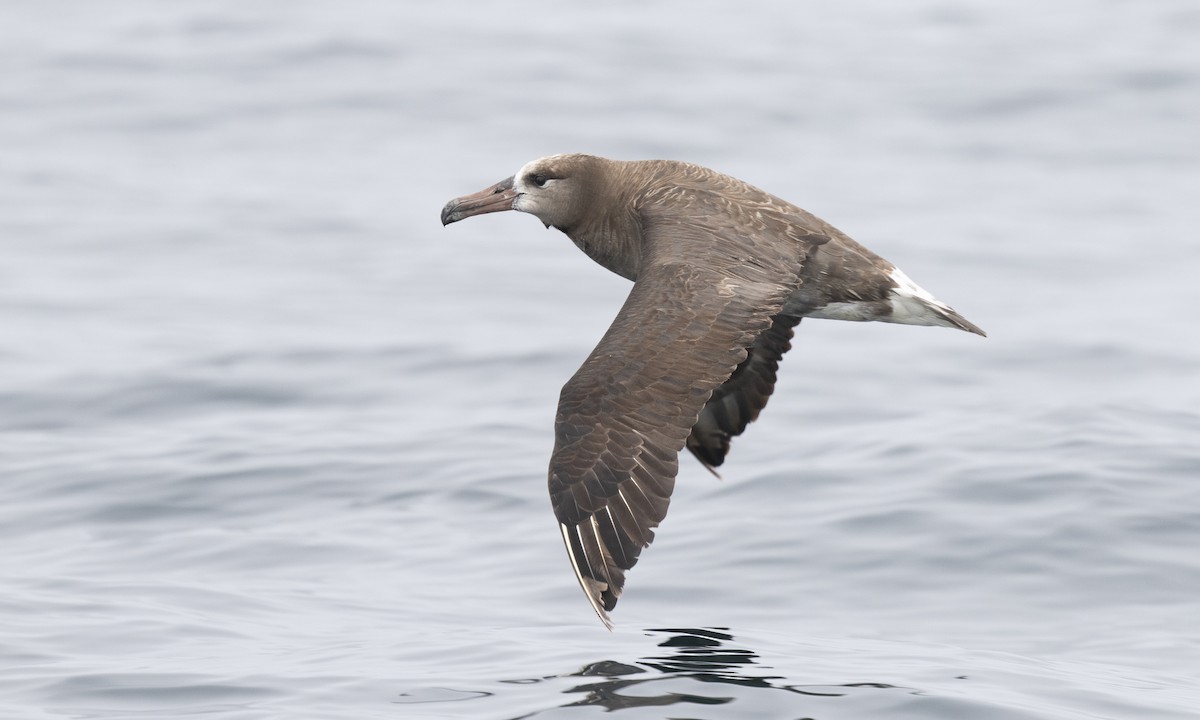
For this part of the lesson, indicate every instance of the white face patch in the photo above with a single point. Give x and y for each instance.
(527, 195)
(528, 169)
(519, 179)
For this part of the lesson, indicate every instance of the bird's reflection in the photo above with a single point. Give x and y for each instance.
(699, 654)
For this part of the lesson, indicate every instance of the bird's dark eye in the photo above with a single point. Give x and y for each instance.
(540, 180)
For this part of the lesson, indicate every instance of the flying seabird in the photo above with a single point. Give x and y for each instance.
(722, 272)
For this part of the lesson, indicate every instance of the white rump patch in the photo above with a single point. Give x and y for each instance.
(914, 305)
(906, 287)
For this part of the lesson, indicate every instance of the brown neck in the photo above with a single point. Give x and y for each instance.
(610, 231)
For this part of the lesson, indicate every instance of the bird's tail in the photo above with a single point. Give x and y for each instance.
(913, 305)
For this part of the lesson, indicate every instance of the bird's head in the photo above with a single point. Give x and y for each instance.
(553, 189)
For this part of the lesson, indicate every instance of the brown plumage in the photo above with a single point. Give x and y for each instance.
(722, 273)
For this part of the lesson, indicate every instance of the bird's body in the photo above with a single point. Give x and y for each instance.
(722, 273)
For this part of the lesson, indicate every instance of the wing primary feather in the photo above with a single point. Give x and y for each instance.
(607, 573)
(617, 536)
(592, 594)
(582, 547)
(634, 530)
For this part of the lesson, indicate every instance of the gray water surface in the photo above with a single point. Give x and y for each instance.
(273, 442)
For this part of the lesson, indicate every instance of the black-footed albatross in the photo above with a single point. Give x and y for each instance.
(722, 272)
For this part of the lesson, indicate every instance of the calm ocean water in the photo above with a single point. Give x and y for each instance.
(273, 442)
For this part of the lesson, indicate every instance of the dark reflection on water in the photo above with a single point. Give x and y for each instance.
(704, 655)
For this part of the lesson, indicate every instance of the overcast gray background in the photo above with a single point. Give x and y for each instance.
(273, 442)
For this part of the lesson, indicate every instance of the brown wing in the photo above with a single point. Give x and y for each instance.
(704, 293)
(739, 400)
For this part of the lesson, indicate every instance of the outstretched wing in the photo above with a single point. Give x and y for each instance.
(739, 400)
(706, 290)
